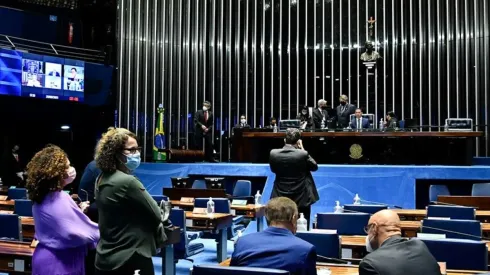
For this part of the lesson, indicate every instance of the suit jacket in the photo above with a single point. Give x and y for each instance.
(87, 183)
(318, 117)
(392, 124)
(293, 175)
(308, 119)
(365, 123)
(128, 220)
(199, 121)
(398, 256)
(343, 114)
(275, 248)
(9, 168)
(240, 126)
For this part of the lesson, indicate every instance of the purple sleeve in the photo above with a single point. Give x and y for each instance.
(61, 224)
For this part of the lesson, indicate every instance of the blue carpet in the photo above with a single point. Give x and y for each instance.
(208, 256)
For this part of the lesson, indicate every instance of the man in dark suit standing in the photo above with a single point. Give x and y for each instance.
(11, 170)
(203, 122)
(392, 254)
(320, 115)
(344, 110)
(359, 122)
(276, 246)
(293, 165)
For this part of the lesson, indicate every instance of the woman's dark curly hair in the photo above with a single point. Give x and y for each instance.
(110, 147)
(45, 172)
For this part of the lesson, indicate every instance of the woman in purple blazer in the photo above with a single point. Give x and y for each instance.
(63, 231)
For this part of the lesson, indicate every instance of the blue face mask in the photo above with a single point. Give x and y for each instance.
(133, 161)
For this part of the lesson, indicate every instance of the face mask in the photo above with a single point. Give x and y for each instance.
(204, 108)
(369, 248)
(133, 161)
(323, 107)
(304, 113)
(243, 121)
(343, 103)
(72, 174)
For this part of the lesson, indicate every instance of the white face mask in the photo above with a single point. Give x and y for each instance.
(243, 121)
(204, 108)
(369, 248)
(304, 113)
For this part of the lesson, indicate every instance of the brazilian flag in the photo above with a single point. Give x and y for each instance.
(159, 140)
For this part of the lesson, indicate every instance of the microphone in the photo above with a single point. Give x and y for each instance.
(381, 203)
(86, 194)
(334, 260)
(450, 204)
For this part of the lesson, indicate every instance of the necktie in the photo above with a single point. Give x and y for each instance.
(206, 116)
(16, 158)
(358, 124)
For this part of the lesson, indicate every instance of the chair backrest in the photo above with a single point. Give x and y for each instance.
(17, 193)
(221, 205)
(370, 117)
(459, 254)
(456, 229)
(234, 270)
(438, 190)
(365, 208)
(344, 223)
(242, 188)
(11, 227)
(480, 189)
(177, 217)
(159, 198)
(23, 208)
(327, 244)
(199, 184)
(452, 212)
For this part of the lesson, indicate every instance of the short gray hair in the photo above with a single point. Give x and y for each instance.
(281, 209)
(344, 97)
(292, 135)
(322, 101)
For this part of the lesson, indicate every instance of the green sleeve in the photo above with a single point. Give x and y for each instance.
(143, 203)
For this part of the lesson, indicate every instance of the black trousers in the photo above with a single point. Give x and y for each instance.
(306, 212)
(136, 262)
(90, 262)
(208, 144)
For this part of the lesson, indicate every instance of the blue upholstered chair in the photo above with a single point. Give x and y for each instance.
(17, 194)
(452, 212)
(199, 184)
(327, 244)
(364, 208)
(159, 198)
(480, 189)
(459, 254)
(222, 205)
(456, 229)
(11, 227)
(23, 208)
(243, 188)
(344, 223)
(234, 270)
(438, 190)
(184, 248)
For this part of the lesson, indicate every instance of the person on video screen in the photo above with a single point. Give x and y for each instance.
(73, 81)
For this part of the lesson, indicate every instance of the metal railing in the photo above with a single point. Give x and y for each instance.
(37, 47)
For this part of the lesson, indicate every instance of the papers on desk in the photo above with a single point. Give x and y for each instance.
(431, 236)
(439, 218)
(324, 271)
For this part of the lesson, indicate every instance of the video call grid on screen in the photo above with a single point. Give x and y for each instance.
(32, 75)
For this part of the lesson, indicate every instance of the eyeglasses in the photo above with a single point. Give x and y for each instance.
(133, 150)
(368, 227)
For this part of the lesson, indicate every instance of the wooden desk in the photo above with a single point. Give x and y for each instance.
(480, 202)
(217, 222)
(255, 212)
(341, 269)
(397, 148)
(7, 205)
(410, 228)
(178, 193)
(4, 190)
(15, 252)
(420, 214)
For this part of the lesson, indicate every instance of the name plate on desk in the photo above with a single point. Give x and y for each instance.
(198, 210)
(239, 202)
(187, 200)
(34, 243)
(459, 124)
(431, 236)
(439, 218)
(3, 198)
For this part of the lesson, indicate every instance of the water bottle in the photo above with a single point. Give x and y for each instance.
(315, 221)
(275, 129)
(258, 198)
(357, 200)
(137, 272)
(446, 127)
(302, 223)
(210, 207)
(323, 124)
(381, 125)
(338, 208)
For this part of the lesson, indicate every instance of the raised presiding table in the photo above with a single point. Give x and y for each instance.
(216, 222)
(367, 147)
(16, 257)
(7, 205)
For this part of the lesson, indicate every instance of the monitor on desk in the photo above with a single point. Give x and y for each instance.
(180, 182)
(289, 123)
(215, 183)
(411, 123)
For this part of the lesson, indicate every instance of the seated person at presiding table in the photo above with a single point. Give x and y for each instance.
(390, 254)
(277, 247)
(359, 122)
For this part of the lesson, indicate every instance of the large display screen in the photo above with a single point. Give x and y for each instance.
(32, 75)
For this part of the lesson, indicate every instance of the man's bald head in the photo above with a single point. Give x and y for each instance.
(383, 225)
